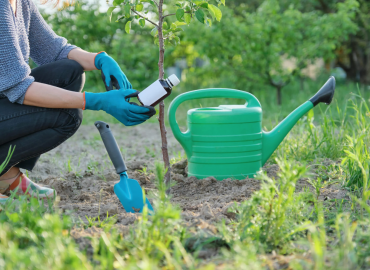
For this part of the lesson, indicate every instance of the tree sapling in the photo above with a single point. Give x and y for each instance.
(165, 32)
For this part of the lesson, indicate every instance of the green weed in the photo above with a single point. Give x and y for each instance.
(96, 222)
(177, 157)
(273, 212)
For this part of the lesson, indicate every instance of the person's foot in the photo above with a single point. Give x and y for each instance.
(24, 186)
(3, 199)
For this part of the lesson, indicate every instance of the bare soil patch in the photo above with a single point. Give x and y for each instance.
(83, 176)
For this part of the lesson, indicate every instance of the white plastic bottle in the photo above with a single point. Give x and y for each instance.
(158, 91)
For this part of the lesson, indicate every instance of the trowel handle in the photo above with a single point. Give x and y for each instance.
(184, 138)
(111, 146)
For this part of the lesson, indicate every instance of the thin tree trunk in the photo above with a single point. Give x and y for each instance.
(278, 89)
(162, 126)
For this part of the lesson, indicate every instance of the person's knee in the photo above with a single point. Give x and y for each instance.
(71, 120)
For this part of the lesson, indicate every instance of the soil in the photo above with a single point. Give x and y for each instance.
(83, 176)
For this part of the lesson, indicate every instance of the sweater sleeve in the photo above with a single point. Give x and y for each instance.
(14, 71)
(45, 45)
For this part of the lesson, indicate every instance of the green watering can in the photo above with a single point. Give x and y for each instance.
(228, 141)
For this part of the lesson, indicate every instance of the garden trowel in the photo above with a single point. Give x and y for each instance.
(128, 190)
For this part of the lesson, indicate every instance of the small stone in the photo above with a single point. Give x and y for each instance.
(181, 164)
(179, 167)
(206, 211)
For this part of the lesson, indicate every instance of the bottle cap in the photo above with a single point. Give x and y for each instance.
(174, 80)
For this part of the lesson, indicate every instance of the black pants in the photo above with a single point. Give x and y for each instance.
(35, 130)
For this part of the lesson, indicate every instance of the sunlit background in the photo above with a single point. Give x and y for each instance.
(281, 51)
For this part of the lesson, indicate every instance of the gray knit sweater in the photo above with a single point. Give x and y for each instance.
(21, 37)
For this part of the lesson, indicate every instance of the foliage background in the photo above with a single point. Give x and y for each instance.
(245, 51)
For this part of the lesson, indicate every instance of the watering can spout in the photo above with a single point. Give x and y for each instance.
(272, 139)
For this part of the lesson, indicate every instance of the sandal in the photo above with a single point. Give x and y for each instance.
(24, 186)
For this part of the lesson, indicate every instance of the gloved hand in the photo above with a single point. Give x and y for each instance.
(116, 103)
(111, 72)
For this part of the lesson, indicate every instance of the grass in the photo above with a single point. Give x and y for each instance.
(278, 223)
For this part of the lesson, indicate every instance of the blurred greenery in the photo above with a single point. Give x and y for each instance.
(247, 50)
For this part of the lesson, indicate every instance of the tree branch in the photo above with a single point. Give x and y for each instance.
(145, 18)
(172, 14)
(155, 2)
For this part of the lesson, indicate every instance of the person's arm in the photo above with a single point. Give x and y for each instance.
(47, 96)
(45, 45)
(14, 71)
(116, 102)
(84, 58)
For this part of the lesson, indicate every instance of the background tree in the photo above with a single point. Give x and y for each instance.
(165, 32)
(251, 48)
(354, 54)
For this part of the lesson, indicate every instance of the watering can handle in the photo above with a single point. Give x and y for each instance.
(185, 138)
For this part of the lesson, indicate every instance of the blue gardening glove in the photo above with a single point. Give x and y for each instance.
(116, 103)
(111, 73)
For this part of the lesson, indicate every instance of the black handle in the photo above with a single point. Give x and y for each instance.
(111, 146)
(326, 93)
(113, 82)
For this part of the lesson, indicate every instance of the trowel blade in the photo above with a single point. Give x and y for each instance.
(130, 194)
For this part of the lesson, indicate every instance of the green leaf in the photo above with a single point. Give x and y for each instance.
(117, 2)
(165, 32)
(209, 22)
(175, 41)
(179, 23)
(178, 30)
(223, 2)
(139, 7)
(187, 18)
(180, 14)
(142, 22)
(165, 25)
(120, 18)
(215, 12)
(127, 10)
(199, 14)
(128, 27)
(201, 3)
(154, 31)
(109, 12)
